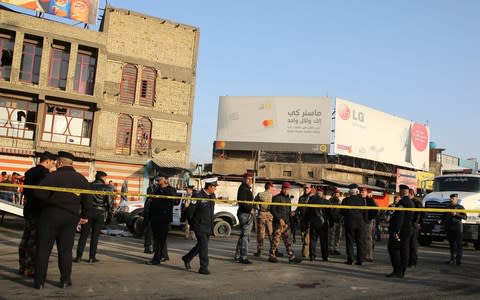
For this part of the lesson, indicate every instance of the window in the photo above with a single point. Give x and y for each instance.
(6, 54)
(124, 134)
(287, 173)
(85, 72)
(17, 118)
(144, 129)
(31, 59)
(147, 96)
(67, 125)
(128, 84)
(310, 174)
(57, 75)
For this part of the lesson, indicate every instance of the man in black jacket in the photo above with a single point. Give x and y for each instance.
(102, 207)
(61, 212)
(160, 217)
(336, 227)
(281, 226)
(319, 220)
(454, 229)
(354, 225)
(400, 231)
(147, 227)
(369, 234)
(200, 218)
(31, 213)
(417, 221)
(245, 213)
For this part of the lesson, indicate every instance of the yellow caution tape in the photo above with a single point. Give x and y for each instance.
(234, 202)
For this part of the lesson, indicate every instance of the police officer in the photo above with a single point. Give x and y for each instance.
(31, 212)
(59, 218)
(281, 226)
(308, 192)
(246, 215)
(160, 217)
(102, 207)
(400, 231)
(454, 229)
(417, 220)
(200, 218)
(319, 220)
(354, 225)
(264, 217)
(336, 227)
(369, 234)
(147, 228)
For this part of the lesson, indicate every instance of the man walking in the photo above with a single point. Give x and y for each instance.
(102, 207)
(246, 214)
(264, 217)
(59, 218)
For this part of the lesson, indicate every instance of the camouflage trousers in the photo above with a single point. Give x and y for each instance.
(369, 240)
(334, 236)
(281, 233)
(305, 232)
(264, 225)
(28, 247)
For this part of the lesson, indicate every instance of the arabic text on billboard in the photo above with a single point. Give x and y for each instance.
(290, 120)
(367, 133)
(84, 11)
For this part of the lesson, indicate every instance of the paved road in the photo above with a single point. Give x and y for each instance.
(122, 274)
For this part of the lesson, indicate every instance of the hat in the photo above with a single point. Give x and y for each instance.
(353, 186)
(363, 189)
(211, 181)
(453, 195)
(248, 174)
(100, 174)
(268, 183)
(47, 155)
(320, 189)
(65, 154)
(337, 190)
(286, 185)
(403, 187)
(307, 185)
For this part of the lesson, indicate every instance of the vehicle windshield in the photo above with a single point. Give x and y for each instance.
(457, 184)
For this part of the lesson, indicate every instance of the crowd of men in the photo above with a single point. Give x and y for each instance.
(53, 215)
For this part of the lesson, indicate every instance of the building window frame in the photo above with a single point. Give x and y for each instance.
(287, 173)
(58, 69)
(128, 85)
(17, 118)
(85, 71)
(31, 60)
(124, 134)
(7, 43)
(147, 87)
(143, 136)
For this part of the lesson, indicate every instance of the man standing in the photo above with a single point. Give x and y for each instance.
(369, 234)
(354, 225)
(102, 206)
(31, 213)
(335, 228)
(454, 229)
(245, 215)
(264, 218)
(417, 221)
(200, 218)
(160, 217)
(147, 227)
(281, 228)
(304, 225)
(400, 231)
(319, 220)
(59, 218)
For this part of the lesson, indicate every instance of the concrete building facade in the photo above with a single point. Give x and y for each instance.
(120, 98)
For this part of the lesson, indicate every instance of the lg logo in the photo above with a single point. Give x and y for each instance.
(345, 113)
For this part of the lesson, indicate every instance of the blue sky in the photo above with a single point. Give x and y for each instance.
(419, 60)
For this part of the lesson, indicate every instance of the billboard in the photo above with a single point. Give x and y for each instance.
(406, 177)
(84, 11)
(367, 133)
(300, 124)
(425, 180)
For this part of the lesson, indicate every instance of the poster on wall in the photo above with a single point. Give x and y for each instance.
(367, 133)
(84, 11)
(275, 120)
(407, 177)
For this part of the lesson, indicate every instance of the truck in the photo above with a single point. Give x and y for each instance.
(467, 186)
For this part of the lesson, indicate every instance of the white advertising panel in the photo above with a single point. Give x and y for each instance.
(367, 133)
(301, 120)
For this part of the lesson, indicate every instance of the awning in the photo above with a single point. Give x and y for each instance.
(170, 168)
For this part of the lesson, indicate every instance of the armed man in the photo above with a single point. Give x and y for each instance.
(102, 207)
(417, 221)
(454, 228)
(246, 215)
(336, 227)
(354, 225)
(400, 232)
(264, 217)
(304, 225)
(319, 220)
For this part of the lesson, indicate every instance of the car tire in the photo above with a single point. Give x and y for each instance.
(222, 228)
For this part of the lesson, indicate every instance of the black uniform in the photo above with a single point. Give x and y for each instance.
(246, 220)
(400, 232)
(417, 220)
(319, 220)
(146, 220)
(58, 220)
(102, 207)
(454, 229)
(200, 217)
(354, 227)
(31, 213)
(161, 215)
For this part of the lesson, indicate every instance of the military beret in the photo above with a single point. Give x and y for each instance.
(403, 187)
(363, 189)
(353, 186)
(286, 185)
(100, 174)
(453, 195)
(248, 174)
(66, 154)
(47, 155)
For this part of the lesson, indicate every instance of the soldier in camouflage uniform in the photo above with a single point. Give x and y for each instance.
(304, 226)
(31, 213)
(264, 217)
(281, 226)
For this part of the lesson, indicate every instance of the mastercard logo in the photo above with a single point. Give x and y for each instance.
(344, 112)
(267, 123)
